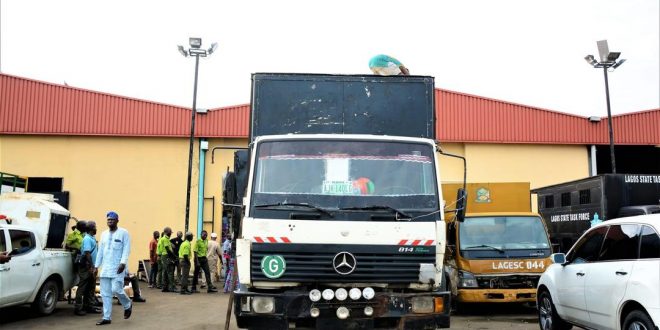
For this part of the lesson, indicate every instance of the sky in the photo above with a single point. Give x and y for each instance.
(528, 52)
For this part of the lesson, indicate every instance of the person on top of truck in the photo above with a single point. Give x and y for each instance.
(384, 65)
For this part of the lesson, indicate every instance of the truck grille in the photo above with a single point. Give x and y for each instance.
(508, 282)
(312, 263)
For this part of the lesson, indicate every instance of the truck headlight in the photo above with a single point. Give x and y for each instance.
(263, 305)
(467, 280)
(368, 293)
(422, 305)
(341, 294)
(328, 294)
(315, 295)
(355, 293)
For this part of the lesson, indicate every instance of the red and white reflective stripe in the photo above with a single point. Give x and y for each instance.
(416, 242)
(270, 239)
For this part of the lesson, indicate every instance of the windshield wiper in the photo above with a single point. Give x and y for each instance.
(405, 216)
(485, 246)
(309, 206)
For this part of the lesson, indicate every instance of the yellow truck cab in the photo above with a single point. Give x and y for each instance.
(496, 256)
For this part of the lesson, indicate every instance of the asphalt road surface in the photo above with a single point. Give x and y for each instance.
(207, 311)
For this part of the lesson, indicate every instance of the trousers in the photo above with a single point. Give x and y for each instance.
(203, 265)
(113, 286)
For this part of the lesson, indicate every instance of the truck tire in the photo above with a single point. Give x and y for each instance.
(46, 300)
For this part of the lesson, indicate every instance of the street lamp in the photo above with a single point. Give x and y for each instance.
(196, 51)
(607, 60)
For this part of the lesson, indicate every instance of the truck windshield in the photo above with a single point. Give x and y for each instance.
(503, 233)
(341, 174)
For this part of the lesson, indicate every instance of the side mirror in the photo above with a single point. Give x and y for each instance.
(558, 258)
(461, 202)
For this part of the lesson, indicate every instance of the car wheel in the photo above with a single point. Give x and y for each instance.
(548, 317)
(638, 320)
(46, 300)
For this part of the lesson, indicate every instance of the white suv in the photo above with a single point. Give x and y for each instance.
(610, 278)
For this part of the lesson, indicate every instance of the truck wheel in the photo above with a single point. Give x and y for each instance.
(46, 300)
(548, 317)
(637, 320)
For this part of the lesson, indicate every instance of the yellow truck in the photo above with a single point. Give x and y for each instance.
(501, 249)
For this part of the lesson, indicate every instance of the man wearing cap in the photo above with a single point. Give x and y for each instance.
(113, 251)
(184, 261)
(200, 249)
(213, 255)
(166, 257)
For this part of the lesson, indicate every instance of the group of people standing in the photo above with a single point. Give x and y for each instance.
(170, 256)
(106, 259)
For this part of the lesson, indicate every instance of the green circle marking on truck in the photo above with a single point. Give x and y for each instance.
(273, 266)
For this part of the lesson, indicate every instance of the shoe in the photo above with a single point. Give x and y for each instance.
(139, 299)
(185, 292)
(150, 286)
(194, 291)
(80, 312)
(128, 312)
(212, 290)
(165, 290)
(103, 322)
(93, 310)
(160, 287)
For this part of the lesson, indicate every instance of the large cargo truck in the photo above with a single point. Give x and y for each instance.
(338, 213)
(570, 208)
(499, 252)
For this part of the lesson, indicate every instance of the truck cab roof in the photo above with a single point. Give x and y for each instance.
(501, 214)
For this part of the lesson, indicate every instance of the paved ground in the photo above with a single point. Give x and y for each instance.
(208, 311)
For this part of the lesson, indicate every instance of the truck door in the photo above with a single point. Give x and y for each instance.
(4, 269)
(26, 266)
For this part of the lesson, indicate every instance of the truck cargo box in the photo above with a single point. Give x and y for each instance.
(569, 208)
(342, 104)
(39, 212)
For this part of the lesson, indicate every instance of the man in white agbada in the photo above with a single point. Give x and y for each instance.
(114, 248)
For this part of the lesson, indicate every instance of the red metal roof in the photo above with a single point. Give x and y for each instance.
(39, 108)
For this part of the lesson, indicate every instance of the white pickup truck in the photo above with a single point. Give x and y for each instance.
(33, 228)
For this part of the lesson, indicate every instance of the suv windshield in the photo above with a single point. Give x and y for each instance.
(342, 174)
(502, 233)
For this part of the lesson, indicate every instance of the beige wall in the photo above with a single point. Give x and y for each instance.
(144, 179)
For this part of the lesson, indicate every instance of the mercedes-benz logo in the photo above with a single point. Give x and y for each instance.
(344, 263)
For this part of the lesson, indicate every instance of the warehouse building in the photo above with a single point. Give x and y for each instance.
(116, 153)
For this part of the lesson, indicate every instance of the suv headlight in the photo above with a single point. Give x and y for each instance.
(467, 280)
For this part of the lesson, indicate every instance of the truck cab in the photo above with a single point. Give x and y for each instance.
(341, 224)
(497, 256)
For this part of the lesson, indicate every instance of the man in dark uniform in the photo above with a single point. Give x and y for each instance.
(176, 243)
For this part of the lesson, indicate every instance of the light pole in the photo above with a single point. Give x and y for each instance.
(196, 51)
(607, 60)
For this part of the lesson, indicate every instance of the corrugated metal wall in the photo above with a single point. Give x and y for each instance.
(34, 107)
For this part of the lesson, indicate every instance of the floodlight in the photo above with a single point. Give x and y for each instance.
(182, 51)
(612, 56)
(195, 42)
(591, 59)
(618, 64)
(214, 46)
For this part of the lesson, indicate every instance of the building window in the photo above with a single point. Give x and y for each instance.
(566, 199)
(549, 201)
(585, 196)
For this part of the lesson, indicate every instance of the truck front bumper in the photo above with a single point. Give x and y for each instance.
(496, 295)
(390, 311)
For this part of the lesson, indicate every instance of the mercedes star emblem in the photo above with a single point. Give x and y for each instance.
(344, 263)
